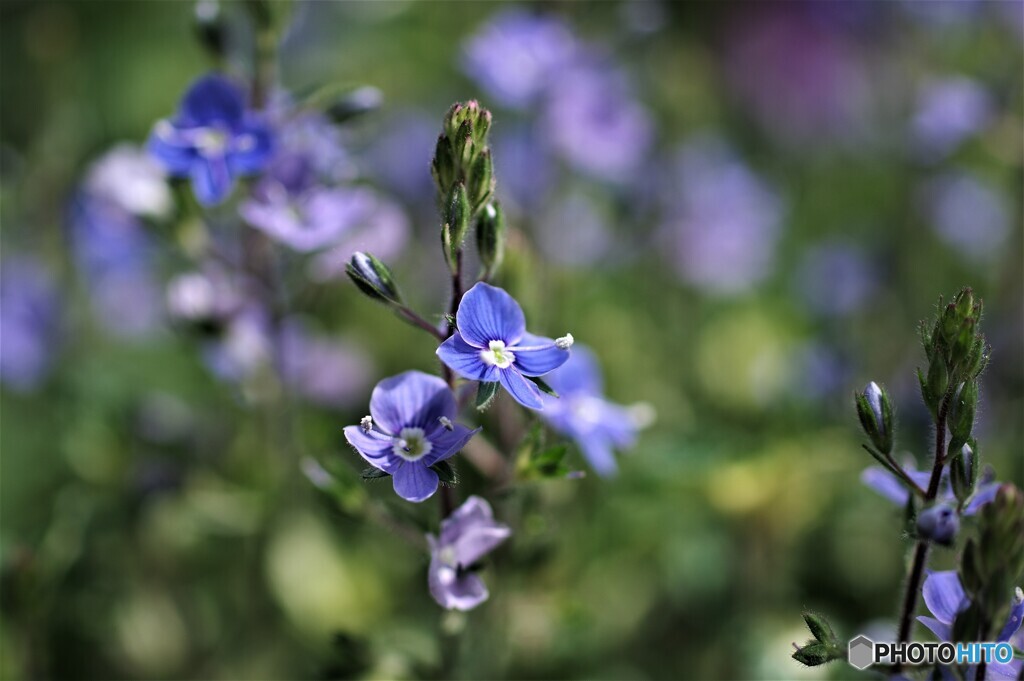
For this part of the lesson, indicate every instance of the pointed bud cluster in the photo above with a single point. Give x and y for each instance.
(939, 524)
(876, 418)
(991, 565)
(824, 647)
(957, 353)
(462, 156)
(373, 278)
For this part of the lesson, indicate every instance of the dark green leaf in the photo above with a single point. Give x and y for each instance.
(485, 393)
(372, 473)
(539, 382)
(446, 473)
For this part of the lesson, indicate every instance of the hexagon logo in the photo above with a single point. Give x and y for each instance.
(861, 652)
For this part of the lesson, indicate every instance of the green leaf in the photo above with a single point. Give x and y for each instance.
(820, 628)
(372, 473)
(814, 654)
(539, 382)
(446, 473)
(485, 394)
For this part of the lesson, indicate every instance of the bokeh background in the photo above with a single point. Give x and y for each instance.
(743, 208)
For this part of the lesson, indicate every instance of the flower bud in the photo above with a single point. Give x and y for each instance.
(490, 238)
(457, 215)
(373, 278)
(938, 524)
(211, 27)
(354, 104)
(443, 167)
(963, 472)
(875, 412)
(481, 180)
(938, 379)
(964, 301)
(961, 413)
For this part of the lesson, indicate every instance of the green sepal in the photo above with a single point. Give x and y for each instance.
(446, 473)
(372, 473)
(485, 394)
(820, 628)
(540, 383)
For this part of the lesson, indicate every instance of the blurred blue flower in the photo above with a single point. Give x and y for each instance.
(949, 111)
(410, 428)
(29, 323)
(524, 164)
(115, 255)
(939, 524)
(581, 412)
(213, 139)
(325, 371)
(208, 296)
(305, 222)
(835, 278)
(244, 347)
(886, 484)
(592, 120)
(387, 159)
(514, 55)
(492, 344)
(466, 536)
(574, 230)
(823, 372)
(129, 177)
(723, 221)
(970, 215)
(945, 597)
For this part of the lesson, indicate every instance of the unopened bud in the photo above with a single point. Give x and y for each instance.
(490, 238)
(963, 472)
(457, 214)
(961, 413)
(211, 27)
(875, 412)
(373, 278)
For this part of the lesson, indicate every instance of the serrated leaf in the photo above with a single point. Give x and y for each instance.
(446, 473)
(539, 382)
(485, 393)
(372, 473)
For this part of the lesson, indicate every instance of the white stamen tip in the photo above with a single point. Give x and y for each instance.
(366, 423)
(447, 423)
(565, 342)
(642, 414)
(1018, 596)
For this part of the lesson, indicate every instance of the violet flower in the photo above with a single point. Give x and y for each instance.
(514, 55)
(491, 344)
(466, 536)
(972, 216)
(949, 111)
(945, 598)
(130, 178)
(325, 371)
(213, 139)
(29, 310)
(411, 427)
(886, 484)
(581, 412)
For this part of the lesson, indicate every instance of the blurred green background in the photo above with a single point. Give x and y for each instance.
(155, 521)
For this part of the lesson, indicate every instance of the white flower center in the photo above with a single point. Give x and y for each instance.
(212, 141)
(447, 556)
(412, 444)
(497, 355)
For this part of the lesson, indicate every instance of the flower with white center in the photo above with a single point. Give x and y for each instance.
(492, 345)
(406, 434)
(466, 536)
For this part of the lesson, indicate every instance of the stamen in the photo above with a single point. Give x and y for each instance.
(447, 423)
(565, 342)
(366, 423)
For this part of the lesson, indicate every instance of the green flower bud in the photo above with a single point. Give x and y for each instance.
(481, 180)
(963, 472)
(457, 214)
(961, 413)
(938, 380)
(490, 238)
(443, 167)
(373, 278)
(876, 418)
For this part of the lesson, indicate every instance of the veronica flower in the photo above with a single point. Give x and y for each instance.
(886, 484)
(410, 428)
(29, 310)
(949, 111)
(213, 139)
(466, 536)
(972, 216)
(945, 598)
(582, 413)
(326, 371)
(491, 344)
(129, 177)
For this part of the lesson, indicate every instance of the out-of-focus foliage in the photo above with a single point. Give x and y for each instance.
(744, 207)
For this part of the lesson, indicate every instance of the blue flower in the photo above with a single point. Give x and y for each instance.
(29, 323)
(886, 484)
(213, 139)
(468, 534)
(581, 412)
(410, 428)
(945, 598)
(492, 344)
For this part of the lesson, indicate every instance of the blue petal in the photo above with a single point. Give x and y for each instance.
(414, 481)
(448, 442)
(465, 360)
(1013, 621)
(581, 373)
(452, 590)
(536, 355)
(479, 540)
(212, 99)
(173, 153)
(597, 450)
(1000, 670)
(982, 495)
(211, 180)
(487, 313)
(377, 451)
(524, 391)
(944, 595)
(941, 629)
(886, 484)
(411, 399)
(251, 149)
